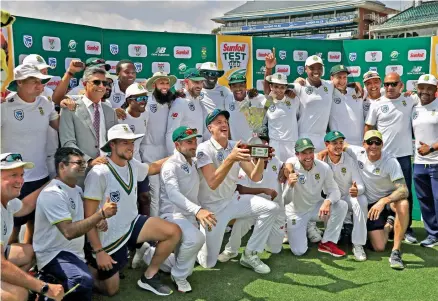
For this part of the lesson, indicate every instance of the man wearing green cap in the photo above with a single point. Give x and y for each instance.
(239, 104)
(220, 160)
(307, 178)
(179, 203)
(351, 187)
(347, 108)
(386, 191)
(189, 110)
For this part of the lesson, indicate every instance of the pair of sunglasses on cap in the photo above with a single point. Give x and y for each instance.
(208, 73)
(187, 132)
(139, 98)
(12, 158)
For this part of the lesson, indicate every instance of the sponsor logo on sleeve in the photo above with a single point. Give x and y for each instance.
(137, 50)
(300, 55)
(182, 52)
(51, 43)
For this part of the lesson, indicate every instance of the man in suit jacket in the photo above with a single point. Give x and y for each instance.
(86, 127)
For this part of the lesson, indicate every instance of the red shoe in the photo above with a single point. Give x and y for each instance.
(330, 248)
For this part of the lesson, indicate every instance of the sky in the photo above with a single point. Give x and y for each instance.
(172, 16)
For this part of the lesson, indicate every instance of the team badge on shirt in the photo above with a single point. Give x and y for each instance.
(404, 103)
(337, 100)
(191, 106)
(232, 107)
(354, 96)
(272, 108)
(317, 177)
(366, 106)
(201, 96)
(343, 170)
(415, 115)
(309, 90)
(19, 114)
(117, 98)
(288, 103)
(376, 171)
(274, 168)
(115, 196)
(72, 203)
(385, 109)
(360, 164)
(302, 179)
(325, 89)
(199, 155)
(153, 107)
(220, 156)
(185, 167)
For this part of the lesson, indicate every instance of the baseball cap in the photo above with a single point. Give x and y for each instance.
(24, 71)
(97, 62)
(372, 134)
(238, 76)
(313, 59)
(193, 74)
(369, 75)
(302, 144)
(120, 131)
(184, 133)
(135, 89)
(11, 161)
(216, 112)
(333, 135)
(428, 79)
(37, 60)
(338, 68)
(277, 78)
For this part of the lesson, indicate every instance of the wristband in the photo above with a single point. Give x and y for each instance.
(431, 149)
(97, 251)
(102, 213)
(70, 73)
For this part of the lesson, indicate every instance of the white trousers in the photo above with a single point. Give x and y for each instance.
(358, 207)
(152, 153)
(283, 149)
(297, 225)
(187, 250)
(166, 266)
(242, 226)
(241, 206)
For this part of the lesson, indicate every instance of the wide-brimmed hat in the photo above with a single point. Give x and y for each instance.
(24, 71)
(37, 60)
(277, 78)
(211, 66)
(11, 161)
(120, 131)
(135, 89)
(157, 75)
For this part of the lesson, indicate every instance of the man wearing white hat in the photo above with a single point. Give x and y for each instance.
(17, 259)
(158, 111)
(425, 125)
(212, 90)
(373, 84)
(25, 119)
(118, 180)
(187, 111)
(40, 63)
(282, 117)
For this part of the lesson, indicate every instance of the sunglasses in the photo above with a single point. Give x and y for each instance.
(98, 82)
(96, 62)
(376, 142)
(139, 98)
(210, 73)
(12, 158)
(394, 84)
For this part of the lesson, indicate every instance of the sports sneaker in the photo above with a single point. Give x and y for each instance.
(359, 253)
(410, 237)
(313, 233)
(138, 257)
(154, 285)
(313, 225)
(226, 256)
(330, 248)
(182, 284)
(429, 242)
(395, 260)
(253, 261)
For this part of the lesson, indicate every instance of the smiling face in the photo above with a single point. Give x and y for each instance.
(194, 87)
(123, 148)
(373, 87)
(426, 93)
(335, 147)
(219, 128)
(11, 182)
(340, 80)
(135, 105)
(127, 74)
(307, 158)
(187, 147)
(393, 85)
(93, 91)
(314, 72)
(239, 90)
(373, 149)
(162, 85)
(279, 90)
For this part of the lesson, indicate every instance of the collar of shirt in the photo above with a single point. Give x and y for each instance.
(116, 87)
(309, 84)
(180, 157)
(341, 161)
(217, 146)
(89, 103)
(281, 100)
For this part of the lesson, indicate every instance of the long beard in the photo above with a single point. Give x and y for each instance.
(162, 98)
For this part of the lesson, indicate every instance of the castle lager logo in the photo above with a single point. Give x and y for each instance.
(394, 68)
(300, 55)
(137, 50)
(334, 56)
(373, 56)
(93, 47)
(51, 43)
(234, 55)
(160, 67)
(262, 53)
(417, 55)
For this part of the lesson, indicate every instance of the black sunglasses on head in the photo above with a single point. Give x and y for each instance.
(392, 84)
(376, 142)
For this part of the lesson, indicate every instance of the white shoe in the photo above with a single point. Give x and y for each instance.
(285, 239)
(359, 253)
(138, 257)
(253, 261)
(313, 233)
(226, 256)
(183, 285)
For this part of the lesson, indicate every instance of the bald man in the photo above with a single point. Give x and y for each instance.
(391, 115)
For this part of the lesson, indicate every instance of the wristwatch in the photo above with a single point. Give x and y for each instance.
(431, 149)
(44, 289)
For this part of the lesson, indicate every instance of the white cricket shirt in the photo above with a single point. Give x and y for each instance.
(7, 221)
(215, 98)
(117, 98)
(156, 127)
(282, 118)
(425, 124)
(138, 125)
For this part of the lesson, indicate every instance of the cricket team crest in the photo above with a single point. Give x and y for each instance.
(191, 106)
(325, 89)
(385, 109)
(41, 110)
(132, 127)
(272, 108)
(117, 98)
(343, 170)
(404, 103)
(19, 114)
(185, 167)
(153, 107)
(138, 67)
(231, 107)
(302, 179)
(360, 163)
(366, 106)
(309, 90)
(337, 100)
(220, 156)
(114, 49)
(72, 203)
(274, 168)
(317, 177)
(376, 171)
(28, 41)
(414, 115)
(200, 155)
(115, 196)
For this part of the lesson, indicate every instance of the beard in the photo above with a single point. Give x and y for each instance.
(162, 98)
(210, 84)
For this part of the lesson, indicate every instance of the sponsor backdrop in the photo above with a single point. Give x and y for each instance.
(408, 57)
(6, 57)
(434, 56)
(291, 56)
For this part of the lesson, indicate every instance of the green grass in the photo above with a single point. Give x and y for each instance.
(314, 276)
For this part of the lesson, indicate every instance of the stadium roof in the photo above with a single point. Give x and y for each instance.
(257, 9)
(423, 15)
